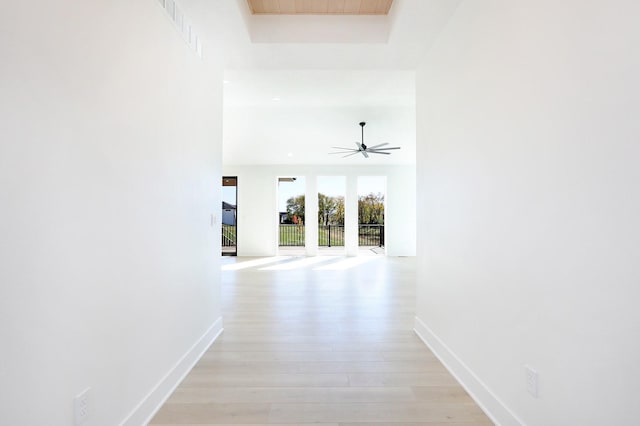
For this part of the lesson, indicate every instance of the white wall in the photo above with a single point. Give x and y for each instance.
(109, 169)
(265, 135)
(528, 147)
(257, 204)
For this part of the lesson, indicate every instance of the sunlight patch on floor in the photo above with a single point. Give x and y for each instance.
(253, 263)
(346, 263)
(301, 263)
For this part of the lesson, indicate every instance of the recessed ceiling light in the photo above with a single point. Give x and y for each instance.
(290, 154)
(225, 81)
(275, 99)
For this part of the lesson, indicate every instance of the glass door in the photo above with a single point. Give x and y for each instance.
(331, 195)
(371, 203)
(229, 215)
(291, 220)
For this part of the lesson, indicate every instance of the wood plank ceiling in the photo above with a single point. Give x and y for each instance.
(320, 7)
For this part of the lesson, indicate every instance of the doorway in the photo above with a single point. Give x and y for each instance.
(331, 212)
(371, 212)
(291, 215)
(229, 216)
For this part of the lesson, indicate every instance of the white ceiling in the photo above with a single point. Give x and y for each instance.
(319, 88)
(329, 72)
(295, 117)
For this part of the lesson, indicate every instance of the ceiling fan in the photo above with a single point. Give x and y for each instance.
(364, 149)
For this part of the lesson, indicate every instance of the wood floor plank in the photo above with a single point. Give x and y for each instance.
(320, 356)
(241, 424)
(442, 378)
(264, 379)
(330, 348)
(324, 367)
(436, 423)
(269, 347)
(261, 395)
(240, 335)
(311, 356)
(382, 412)
(212, 413)
(447, 394)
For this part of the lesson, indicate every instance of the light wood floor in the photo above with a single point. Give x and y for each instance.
(323, 340)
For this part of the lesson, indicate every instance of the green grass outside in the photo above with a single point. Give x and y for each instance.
(368, 236)
(294, 235)
(337, 237)
(291, 235)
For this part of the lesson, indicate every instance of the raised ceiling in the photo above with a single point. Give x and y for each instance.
(320, 7)
(298, 85)
(296, 116)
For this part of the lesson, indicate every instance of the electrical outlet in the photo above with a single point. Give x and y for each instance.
(531, 381)
(81, 408)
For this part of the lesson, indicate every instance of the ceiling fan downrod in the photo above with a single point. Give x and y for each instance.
(364, 147)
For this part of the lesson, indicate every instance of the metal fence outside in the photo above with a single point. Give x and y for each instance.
(371, 235)
(291, 236)
(330, 235)
(228, 235)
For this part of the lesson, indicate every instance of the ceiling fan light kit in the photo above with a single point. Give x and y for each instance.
(364, 149)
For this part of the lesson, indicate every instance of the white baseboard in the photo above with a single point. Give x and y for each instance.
(482, 395)
(147, 408)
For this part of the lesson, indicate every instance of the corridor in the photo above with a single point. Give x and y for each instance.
(322, 340)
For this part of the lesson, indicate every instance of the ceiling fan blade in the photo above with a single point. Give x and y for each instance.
(376, 146)
(364, 149)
